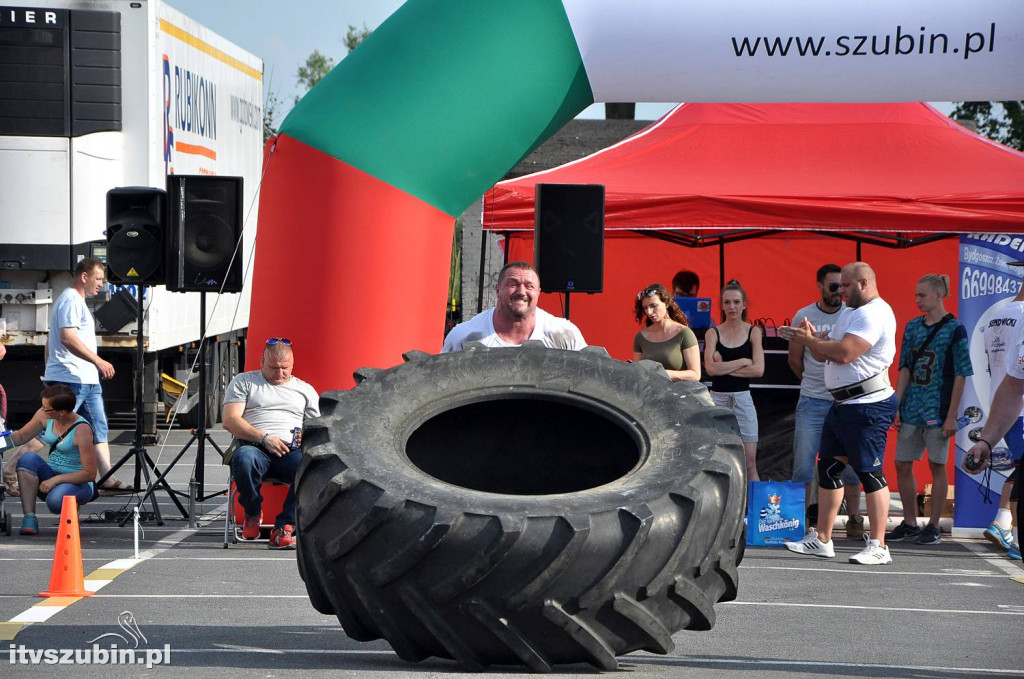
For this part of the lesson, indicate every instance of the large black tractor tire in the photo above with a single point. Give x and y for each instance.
(521, 506)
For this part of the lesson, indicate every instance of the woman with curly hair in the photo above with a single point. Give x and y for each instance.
(666, 336)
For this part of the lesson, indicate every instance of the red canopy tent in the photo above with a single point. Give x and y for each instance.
(881, 176)
(788, 187)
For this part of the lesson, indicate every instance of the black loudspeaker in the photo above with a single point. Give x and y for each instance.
(118, 312)
(205, 224)
(568, 237)
(135, 235)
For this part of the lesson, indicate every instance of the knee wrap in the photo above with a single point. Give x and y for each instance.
(830, 473)
(873, 481)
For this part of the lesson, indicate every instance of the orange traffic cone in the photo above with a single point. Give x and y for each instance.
(66, 576)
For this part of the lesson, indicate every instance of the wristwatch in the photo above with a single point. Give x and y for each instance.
(263, 441)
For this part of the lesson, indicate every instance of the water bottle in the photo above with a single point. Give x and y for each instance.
(294, 445)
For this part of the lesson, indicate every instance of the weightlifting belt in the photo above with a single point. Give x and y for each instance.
(863, 388)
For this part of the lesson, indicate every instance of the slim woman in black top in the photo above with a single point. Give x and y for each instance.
(732, 356)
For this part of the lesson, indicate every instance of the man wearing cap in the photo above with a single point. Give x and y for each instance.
(857, 354)
(264, 410)
(515, 318)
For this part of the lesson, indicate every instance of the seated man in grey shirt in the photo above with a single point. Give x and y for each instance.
(264, 410)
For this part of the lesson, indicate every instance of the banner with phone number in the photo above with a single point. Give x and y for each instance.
(987, 284)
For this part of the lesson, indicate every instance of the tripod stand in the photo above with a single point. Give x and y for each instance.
(199, 436)
(143, 462)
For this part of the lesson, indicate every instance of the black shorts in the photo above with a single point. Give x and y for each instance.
(858, 432)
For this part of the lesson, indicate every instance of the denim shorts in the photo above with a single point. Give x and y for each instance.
(809, 421)
(40, 468)
(858, 432)
(742, 406)
(89, 404)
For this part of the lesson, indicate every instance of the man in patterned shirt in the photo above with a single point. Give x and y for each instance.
(934, 366)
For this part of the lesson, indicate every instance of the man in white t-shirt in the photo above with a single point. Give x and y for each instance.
(71, 357)
(515, 318)
(857, 354)
(1005, 409)
(1003, 332)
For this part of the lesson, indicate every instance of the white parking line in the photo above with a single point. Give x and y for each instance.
(94, 581)
(694, 661)
(816, 665)
(891, 609)
(957, 573)
(1011, 568)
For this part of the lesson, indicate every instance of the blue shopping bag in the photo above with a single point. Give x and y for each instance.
(775, 512)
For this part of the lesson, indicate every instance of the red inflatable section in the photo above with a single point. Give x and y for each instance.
(353, 271)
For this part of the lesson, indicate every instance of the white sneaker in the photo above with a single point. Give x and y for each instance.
(872, 555)
(813, 546)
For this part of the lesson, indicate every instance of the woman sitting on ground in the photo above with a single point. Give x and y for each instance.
(666, 336)
(71, 469)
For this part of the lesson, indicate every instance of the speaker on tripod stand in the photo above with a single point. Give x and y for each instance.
(204, 254)
(205, 219)
(135, 235)
(136, 217)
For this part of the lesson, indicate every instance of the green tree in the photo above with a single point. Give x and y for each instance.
(354, 36)
(1002, 121)
(270, 107)
(313, 71)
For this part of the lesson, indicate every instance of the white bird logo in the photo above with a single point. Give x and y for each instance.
(126, 620)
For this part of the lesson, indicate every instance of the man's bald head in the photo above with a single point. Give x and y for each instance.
(858, 283)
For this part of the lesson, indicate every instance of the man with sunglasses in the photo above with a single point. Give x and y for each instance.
(515, 318)
(815, 402)
(264, 410)
(857, 353)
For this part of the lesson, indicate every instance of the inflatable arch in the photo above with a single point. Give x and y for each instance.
(374, 164)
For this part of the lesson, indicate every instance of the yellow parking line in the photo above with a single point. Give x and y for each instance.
(9, 630)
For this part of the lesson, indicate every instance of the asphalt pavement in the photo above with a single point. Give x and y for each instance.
(195, 609)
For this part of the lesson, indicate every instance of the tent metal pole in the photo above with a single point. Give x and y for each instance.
(483, 266)
(721, 263)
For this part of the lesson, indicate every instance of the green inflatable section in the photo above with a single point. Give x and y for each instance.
(444, 97)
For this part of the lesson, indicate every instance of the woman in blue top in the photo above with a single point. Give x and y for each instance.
(71, 468)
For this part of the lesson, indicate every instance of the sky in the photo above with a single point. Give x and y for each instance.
(284, 34)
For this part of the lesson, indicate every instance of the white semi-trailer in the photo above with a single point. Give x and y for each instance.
(113, 93)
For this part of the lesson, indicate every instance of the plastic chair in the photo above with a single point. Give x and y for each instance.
(273, 492)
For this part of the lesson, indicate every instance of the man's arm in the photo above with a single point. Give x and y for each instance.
(69, 337)
(235, 424)
(1006, 407)
(795, 358)
(843, 351)
(949, 426)
(902, 384)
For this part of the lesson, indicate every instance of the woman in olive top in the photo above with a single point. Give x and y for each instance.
(732, 355)
(666, 336)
